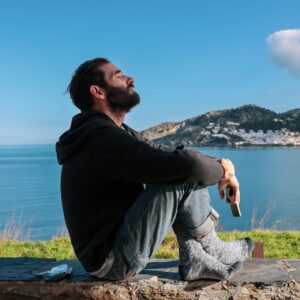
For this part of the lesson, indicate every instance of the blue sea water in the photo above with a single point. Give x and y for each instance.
(269, 181)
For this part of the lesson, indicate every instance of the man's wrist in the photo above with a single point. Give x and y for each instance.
(228, 169)
(224, 170)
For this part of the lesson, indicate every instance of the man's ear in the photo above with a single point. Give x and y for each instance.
(97, 92)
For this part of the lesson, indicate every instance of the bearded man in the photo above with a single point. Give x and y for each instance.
(121, 194)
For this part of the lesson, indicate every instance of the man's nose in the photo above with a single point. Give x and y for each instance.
(130, 80)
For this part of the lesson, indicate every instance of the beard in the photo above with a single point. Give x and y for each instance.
(121, 100)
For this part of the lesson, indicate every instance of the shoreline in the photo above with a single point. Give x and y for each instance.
(267, 146)
(206, 146)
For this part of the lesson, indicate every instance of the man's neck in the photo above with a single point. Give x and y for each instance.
(118, 117)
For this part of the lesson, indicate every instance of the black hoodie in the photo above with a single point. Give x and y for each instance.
(104, 168)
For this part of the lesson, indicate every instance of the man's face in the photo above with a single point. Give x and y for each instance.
(121, 95)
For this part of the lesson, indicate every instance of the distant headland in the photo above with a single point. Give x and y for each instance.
(247, 125)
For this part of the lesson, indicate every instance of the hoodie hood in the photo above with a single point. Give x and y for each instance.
(83, 125)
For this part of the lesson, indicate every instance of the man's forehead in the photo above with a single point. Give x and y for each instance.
(110, 69)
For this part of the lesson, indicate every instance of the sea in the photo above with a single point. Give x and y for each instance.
(269, 180)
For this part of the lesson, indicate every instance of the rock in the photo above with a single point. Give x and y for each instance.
(259, 279)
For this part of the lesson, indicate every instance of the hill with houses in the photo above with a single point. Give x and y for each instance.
(242, 126)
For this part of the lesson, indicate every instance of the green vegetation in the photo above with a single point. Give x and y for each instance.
(59, 248)
(277, 244)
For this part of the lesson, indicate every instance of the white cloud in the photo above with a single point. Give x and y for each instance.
(284, 49)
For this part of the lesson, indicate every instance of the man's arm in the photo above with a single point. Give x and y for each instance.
(228, 180)
(122, 156)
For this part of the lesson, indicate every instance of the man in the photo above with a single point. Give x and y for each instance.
(121, 194)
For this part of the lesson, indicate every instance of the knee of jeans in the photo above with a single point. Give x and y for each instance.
(184, 188)
(193, 187)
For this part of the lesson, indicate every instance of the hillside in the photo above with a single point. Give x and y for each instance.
(245, 125)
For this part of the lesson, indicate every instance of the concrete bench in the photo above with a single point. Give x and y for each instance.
(259, 279)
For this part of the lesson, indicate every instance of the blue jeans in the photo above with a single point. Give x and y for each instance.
(149, 220)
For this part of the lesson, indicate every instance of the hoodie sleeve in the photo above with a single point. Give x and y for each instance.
(119, 155)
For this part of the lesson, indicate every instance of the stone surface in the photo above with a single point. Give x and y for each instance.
(253, 271)
(293, 267)
(164, 269)
(262, 270)
(22, 268)
(259, 279)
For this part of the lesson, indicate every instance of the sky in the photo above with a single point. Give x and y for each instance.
(187, 58)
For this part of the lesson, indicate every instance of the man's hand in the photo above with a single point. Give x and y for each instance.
(229, 180)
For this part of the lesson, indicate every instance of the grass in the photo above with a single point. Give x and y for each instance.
(59, 248)
(277, 244)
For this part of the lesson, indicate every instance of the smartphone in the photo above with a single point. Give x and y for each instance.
(235, 208)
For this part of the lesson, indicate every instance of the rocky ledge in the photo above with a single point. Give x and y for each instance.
(258, 279)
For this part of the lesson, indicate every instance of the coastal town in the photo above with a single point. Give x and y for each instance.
(247, 125)
(280, 137)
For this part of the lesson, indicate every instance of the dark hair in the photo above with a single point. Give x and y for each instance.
(84, 76)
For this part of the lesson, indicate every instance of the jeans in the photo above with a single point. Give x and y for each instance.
(149, 220)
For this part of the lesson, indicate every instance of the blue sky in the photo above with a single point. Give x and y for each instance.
(187, 58)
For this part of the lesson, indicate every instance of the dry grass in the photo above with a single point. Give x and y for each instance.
(63, 232)
(19, 230)
(16, 230)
